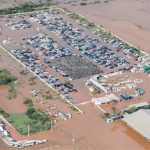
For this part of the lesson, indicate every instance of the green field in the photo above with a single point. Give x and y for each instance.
(20, 122)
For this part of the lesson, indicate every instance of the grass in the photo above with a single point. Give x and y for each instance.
(26, 7)
(47, 97)
(37, 121)
(20, 122)
(12, 89)
(24, 72)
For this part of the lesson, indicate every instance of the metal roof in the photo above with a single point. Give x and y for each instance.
(139, 121)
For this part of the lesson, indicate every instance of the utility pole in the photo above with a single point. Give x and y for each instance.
(51, 124)
(73, 139)
(77, 148)
(28, 130)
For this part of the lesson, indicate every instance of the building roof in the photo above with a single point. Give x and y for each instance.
(105, 99)
(146, 68)
(139, 121)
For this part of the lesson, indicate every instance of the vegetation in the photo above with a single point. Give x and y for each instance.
(6, 77)
(12, 90)
(90, 25)
(26, 7)
(136, 51)
(32, 80)
(131, 110)
(114, 110)
(24, 72)
(106, 115)
(47, 97)
(3, 113)
(28, 102)
(83, 4)
(20, 122)
(39, 120)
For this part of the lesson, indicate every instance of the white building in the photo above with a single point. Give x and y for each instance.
(139, 121)
(105, 99)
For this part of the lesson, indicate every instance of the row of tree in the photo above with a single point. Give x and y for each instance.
(26, 7)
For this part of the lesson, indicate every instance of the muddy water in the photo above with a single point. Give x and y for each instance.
(137, 137)
(3, 146)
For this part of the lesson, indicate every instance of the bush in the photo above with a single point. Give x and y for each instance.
(12, 90)
(30, 111)
(26, 7)
(6, 77)
(3, 113)
(83, 4)
(28, 101)
(24, 72)
(46, 97)
(39, 120)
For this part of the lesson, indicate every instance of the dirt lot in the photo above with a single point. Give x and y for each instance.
(127, 19)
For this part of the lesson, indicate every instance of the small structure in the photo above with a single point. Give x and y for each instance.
(105, 100)
(64, 115)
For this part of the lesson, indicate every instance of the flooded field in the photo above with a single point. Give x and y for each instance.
(127, 19)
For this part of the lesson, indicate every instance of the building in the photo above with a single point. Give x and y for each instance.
(114, 82)
(105, 99)
(139, 121)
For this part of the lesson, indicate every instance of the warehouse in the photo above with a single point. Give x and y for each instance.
(139, 121)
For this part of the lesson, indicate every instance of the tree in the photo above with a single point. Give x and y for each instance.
(131, 110)
(6, 77)
(30, 111)
(106, 115)
(27, 101)
(114, 110)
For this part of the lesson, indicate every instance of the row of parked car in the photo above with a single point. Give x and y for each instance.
(50, 50)
(31, 61)
(47, 46)
(76, 37)
(18, 144)
(121, 46)
(22, 24)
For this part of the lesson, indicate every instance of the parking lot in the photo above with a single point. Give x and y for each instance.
(59, 52)
(77, 38)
